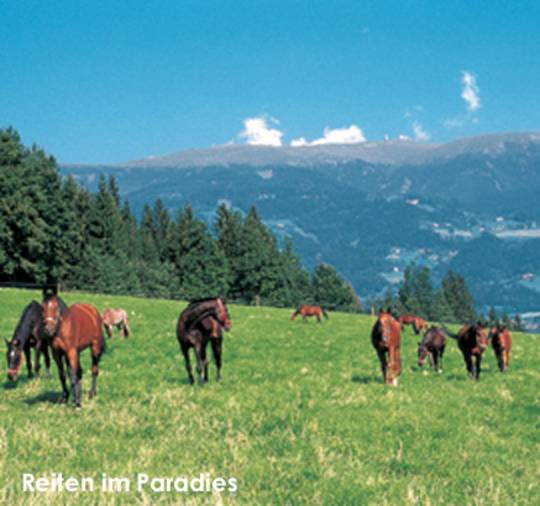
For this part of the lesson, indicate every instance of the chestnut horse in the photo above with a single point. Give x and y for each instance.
(417, 323)
(28, 334)
(501, 340)
(472, 341)
(116, 318)
(432, 346)
(70, 330)
(386, 339)
(307, 310)
(203, 321)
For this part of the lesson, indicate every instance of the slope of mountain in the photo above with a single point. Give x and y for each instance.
(370, 209)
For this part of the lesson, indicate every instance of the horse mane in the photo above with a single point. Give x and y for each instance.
(194, 314)
(27, 321)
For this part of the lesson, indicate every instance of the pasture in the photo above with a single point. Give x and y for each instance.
(300, 417)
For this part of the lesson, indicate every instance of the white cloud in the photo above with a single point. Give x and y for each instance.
(470, 91)
(403, 137)
(258, 132)
(412, 111)
(419, 133)
(350, 135)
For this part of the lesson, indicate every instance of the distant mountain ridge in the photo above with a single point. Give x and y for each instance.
(470, 205)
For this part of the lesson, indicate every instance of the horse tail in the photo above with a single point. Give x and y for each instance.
(325, 314)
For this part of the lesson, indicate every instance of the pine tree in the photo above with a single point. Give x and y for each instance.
(458, 297)
(201, 266)
(331, 292)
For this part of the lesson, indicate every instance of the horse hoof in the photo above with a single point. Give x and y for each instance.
(62, 400)
(78, 405)
(91, 395)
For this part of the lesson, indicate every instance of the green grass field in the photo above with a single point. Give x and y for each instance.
(301, 417)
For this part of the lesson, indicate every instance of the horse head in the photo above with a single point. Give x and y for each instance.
(53, 308)
(387, 324)
(223, 314)
(482, 338)
(14, 359)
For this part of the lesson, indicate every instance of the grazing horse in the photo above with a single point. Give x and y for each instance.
(472, 341)
(116, 318)
(501, 340)
(307, 310)
(201, 322)
(417, 323)
(70, 330)
(432, 346)
(386, 339)
(28, 334)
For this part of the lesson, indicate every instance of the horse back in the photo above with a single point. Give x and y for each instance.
(81, 326)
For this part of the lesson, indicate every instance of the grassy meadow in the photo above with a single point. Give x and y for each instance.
(300, 417)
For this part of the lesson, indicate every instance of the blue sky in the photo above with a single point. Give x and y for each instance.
(124, 80)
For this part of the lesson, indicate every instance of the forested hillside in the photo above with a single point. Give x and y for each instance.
(51, 228)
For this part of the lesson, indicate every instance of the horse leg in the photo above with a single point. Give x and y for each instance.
(469, 364)
(127, 330)
(28, 358)
(318, 318)
(198, 356)
(397, 366)
(204, 360)
(216, 351)
(432, 360)
(109, 330)
(478, 363)
(76, 374)
(37, 363)
(47, 357)
(97, 351)
(185, 352)
(436, 360)
(59, 359)
(384, 365)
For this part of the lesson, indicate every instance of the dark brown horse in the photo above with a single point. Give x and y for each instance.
(116, 318)
(308, 310)
(28, 334)
(472, 341)
(386, 339)
(432, 346)
(501, 340)
(203, 321)
(70, 330)
(418, 324)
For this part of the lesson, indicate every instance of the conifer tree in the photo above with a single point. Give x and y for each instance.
(458, 297)
(201, 266)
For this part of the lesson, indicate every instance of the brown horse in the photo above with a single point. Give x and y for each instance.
(386, 339)
(501, 340)
(418, 324)
(432, 346)
(472, 341)
(116, 318)
(69, 331)
(203, 321)
(307, 310)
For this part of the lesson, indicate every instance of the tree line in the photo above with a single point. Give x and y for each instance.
(52, 228)
(452, 301)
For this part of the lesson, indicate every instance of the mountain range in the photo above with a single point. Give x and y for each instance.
(372, 208)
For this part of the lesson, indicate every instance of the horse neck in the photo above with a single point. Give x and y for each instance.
(25, 328)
